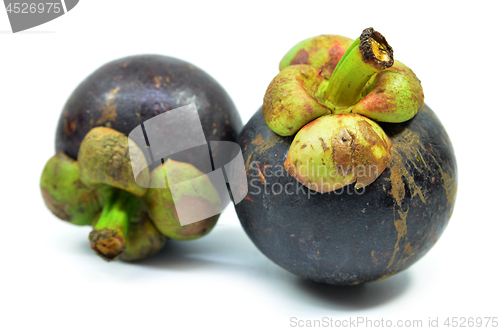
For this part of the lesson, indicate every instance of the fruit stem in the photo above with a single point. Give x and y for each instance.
(108, 237)
(366, 56)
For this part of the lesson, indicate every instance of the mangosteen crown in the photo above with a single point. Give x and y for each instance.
(339, 141)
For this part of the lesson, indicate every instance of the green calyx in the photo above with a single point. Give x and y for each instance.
(336, 150)
(321, 52)
(65, 195)
(143, 239)
(198, 194)
(104, 159)
(367, 55)
(110, 232)
(289, 104)
(365, 81)
(99, 189)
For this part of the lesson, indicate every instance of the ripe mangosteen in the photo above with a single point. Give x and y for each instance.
(352, 178)
(90, 180)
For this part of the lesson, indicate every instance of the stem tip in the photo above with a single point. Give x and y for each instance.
(375, 49)
(108, 244)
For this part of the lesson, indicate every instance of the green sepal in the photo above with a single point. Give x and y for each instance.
(322, 53)
(394, 95)
(336, 150)
(104, 158)
(198, 194)
(289, 102)
(143, 239)
(356, 86)
(65, 195)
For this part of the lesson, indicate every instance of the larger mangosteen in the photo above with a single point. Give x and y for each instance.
(352, 178)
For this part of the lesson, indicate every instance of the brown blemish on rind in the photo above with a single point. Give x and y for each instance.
(411, 146)
(258, 140)
(398, 171)
(248, 198)
(268, 143)
(69, 126)
(109, 110)
(401, 231)
(247, 162)
(397, 185)
(412, 139)
(398, 192)
(261, 175)
(408, 248)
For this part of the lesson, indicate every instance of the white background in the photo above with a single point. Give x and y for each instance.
(50, 279)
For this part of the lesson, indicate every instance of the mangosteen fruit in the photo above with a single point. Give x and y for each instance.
(91, 179)
(352, 178)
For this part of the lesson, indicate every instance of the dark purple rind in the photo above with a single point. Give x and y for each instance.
(348, 239)
(148, 85)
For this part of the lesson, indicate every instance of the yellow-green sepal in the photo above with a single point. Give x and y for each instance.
(196, 194)
(321, 52)
(143, 239)
(336, 150)
(289, 102)
(394, 95)
(64, 193)
(104, 159)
